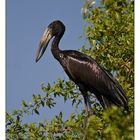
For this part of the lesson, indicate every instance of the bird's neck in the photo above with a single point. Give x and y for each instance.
(55, 49)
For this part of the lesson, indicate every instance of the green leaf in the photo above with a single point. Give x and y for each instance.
(36, 111)
(42, 102)
(24, 103)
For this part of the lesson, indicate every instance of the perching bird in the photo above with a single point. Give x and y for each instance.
(83, 70)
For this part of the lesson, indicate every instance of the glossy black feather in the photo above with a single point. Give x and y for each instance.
(84, 70)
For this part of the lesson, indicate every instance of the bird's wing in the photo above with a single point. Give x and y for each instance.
(85, 70)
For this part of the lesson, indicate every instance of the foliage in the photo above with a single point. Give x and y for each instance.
(111, 37)
(112, 125)
(46, 130)
(109, 30)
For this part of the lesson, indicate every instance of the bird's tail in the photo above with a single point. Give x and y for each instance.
(120, 98)
(118, 95)
(107, 104)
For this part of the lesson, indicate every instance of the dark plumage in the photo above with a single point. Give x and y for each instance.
(83, 70)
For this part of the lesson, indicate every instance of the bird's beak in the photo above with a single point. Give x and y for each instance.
(43, 43)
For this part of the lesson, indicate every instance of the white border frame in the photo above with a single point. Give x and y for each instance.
(137, 70)
(2, 69)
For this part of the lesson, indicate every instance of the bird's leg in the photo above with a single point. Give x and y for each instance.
(89, 105)
(86, 102)
(86, 105)
(85, 96)
(86, 108)
(84, 93)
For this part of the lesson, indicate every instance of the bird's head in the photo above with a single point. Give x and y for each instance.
(56, 28)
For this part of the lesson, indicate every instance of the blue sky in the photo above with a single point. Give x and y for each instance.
(26, 22)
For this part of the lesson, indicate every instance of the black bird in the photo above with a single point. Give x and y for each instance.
(83, 70)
